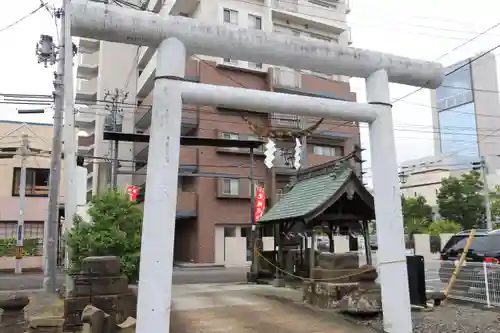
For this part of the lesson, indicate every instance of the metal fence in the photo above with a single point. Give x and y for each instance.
(476, 282)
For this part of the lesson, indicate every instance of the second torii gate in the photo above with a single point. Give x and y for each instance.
(177, 38)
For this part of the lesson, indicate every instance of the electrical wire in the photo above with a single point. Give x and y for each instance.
(458, 130)
(349, 22)
(453, 50)
(42, 5)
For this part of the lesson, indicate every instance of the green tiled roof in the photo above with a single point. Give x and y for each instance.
(307, 195)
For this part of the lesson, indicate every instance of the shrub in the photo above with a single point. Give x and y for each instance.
(8, 247)
(443, 227)
(114, 230)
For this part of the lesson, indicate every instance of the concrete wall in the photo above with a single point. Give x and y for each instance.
(8, 264)
(231, 251)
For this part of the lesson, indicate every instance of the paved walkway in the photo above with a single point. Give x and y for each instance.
(248, 309)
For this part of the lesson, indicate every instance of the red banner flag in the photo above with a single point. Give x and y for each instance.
(259, 203)
(133, 192)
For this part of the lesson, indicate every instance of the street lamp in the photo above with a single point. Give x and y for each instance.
(403, 177)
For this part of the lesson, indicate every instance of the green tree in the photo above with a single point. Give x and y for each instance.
(114, 230)
(416, 226)
(416, 208)
(460, 200)
(443, 227)
(495, 206)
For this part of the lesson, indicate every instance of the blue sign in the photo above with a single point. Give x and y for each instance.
(20, 233)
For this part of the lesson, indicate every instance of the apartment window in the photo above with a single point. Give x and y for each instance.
(185, 184)
(230, 16)
(37, 182)
(323, 3)
(279, 194)
(257, 184)
(230, 186)
(254, 65)
(327, 151)
(230, 136)
(255, 22)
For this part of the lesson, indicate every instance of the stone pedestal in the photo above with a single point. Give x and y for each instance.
(12, 318)
(339, 283)
(100, 285)
(46, 325)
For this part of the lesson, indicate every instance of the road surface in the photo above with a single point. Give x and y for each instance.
(198, 308)
(9, 282)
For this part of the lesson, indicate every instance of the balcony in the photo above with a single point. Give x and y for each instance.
(88, 65)
(155, 5)
(145, 55)
(329, 16)
(86, 150)
(188, 158)
(85, 120)
(145, 81)
(284, 121)
(86, 91)
(184, 7)
(286, 77)
(189, 125)
(87, 45)
(187, 205)
(236, 150)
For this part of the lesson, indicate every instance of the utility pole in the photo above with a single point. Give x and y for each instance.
(481, 165)
(70, 143)
(22, 202)
(116, 123)
(47, 52)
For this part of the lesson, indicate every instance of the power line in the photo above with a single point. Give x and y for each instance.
(351, 22)
(453, 50)
(42, 5)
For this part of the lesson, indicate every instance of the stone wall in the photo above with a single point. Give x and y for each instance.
(12, 316)
(100, 285)
(339, 283)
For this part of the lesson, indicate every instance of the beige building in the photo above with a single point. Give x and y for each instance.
(37, 184)
(423, 177)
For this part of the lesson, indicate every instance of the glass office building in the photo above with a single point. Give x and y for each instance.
(456, 112)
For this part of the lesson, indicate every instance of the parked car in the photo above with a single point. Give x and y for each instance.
(484, 247)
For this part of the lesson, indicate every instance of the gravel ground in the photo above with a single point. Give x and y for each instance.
(450, 317)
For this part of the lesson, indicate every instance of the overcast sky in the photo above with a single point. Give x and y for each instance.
(419, 29)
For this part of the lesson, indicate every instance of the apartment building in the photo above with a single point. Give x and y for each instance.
(37, 178)
(212, 209)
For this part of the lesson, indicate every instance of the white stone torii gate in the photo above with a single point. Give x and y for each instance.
(177, 38)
